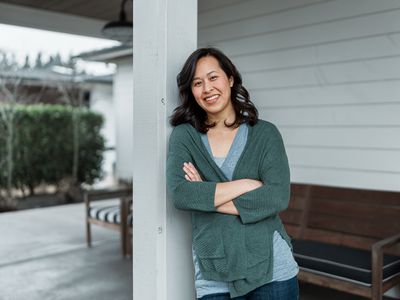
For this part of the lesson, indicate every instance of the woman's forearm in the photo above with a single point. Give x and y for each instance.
(227, 191)
(228, 208)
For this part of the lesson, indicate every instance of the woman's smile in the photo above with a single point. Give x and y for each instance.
(211, 99)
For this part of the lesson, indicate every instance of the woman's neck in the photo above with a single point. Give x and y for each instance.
(221, 120)
(220, 124)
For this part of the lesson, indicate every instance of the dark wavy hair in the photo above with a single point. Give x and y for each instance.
(190, 112)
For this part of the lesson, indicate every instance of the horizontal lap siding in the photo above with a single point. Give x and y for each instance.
(327, 73)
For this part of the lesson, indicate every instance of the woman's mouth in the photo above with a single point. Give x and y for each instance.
(211, 99)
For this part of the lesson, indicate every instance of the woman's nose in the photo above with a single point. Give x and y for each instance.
(207, 87)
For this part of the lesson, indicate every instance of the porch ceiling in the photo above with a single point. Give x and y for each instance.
(102, 10)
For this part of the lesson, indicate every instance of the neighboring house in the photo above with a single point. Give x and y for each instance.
(122, 103)
(48, 82)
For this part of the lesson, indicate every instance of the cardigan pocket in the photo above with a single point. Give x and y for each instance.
(211, 255)
(212, 259)
(208, 244)
(209, 247)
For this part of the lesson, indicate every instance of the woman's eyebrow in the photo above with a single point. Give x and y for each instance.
(206, 74)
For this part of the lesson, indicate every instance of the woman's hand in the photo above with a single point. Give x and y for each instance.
(228, 208)
(191, 173)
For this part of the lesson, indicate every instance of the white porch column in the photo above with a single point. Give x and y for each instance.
(165, 32)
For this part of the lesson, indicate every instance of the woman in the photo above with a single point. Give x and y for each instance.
(230, 170)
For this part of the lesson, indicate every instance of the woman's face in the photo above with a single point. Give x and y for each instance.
(211, 88)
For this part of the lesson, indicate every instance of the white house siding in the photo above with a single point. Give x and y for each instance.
(327, 73)
(123, 91)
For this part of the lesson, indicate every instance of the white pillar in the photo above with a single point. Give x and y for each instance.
(165, 33)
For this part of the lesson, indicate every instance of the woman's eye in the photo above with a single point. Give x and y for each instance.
(197, 83)
(213, 77)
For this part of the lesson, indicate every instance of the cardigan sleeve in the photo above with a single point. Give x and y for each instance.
(273, 196)
(186, 195)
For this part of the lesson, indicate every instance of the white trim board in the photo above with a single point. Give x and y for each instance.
(45, 20)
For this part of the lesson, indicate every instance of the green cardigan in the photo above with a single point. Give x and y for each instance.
(236, 249)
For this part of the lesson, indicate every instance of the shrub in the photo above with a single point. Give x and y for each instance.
(43, 144)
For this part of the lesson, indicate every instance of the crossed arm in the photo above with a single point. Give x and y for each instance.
(252, 200)
(225, 192)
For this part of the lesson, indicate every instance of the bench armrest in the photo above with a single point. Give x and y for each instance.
(377, 263)
(386, 243)
(109, 193)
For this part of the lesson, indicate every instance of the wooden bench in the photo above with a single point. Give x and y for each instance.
(345, 239)
(110, 216)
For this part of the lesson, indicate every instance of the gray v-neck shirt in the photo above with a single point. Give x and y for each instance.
(227, 164)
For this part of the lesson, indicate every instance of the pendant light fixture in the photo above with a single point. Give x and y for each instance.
(120, 30)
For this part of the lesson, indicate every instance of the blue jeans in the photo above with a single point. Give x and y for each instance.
(276, 290)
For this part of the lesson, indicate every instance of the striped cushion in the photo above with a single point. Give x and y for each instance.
(107, 213)
(342, 262)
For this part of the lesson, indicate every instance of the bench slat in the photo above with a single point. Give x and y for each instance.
(377, 230)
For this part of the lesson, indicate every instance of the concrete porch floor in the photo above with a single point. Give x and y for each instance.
(43, 256)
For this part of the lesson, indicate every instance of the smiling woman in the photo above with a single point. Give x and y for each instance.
(230, 170)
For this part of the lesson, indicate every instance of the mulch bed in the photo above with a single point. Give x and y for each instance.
(42, 200)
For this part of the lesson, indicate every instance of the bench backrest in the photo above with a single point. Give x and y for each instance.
(351, 217)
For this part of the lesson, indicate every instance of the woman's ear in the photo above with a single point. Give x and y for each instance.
(231, 81)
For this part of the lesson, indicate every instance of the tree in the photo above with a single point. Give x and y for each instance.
(8, 92)
(27, 64)
(39, 61)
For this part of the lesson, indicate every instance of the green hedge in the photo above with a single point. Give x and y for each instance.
(43, 144)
